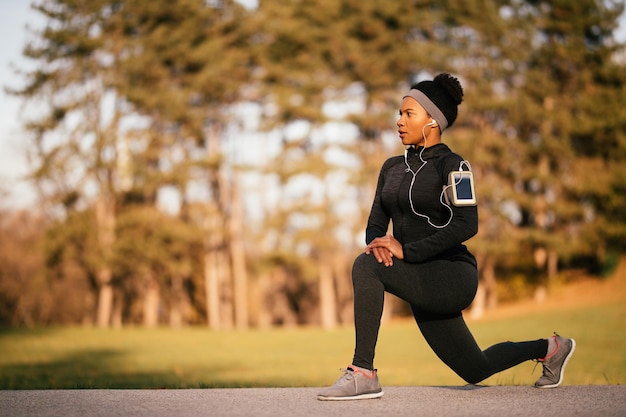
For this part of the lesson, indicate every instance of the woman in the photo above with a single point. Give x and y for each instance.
(425, 262)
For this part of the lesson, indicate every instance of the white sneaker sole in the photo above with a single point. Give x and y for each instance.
(353, 397)
(567, 358)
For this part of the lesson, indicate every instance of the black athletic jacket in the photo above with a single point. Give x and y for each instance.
(420, 241)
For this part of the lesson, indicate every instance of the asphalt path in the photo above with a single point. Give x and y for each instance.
(450, 401)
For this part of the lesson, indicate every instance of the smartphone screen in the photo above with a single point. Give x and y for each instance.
(463, 187)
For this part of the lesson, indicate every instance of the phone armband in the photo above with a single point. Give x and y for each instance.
(460, 189)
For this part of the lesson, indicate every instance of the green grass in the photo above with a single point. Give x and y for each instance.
(67, 358)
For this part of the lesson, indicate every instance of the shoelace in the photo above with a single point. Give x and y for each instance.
(348, 375)
(548, 355)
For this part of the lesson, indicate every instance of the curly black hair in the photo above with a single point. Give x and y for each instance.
(451, 85)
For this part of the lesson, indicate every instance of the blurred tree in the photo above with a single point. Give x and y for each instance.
(70, 251)
(195, 55)
(125, 83)
(571, 125)
(145, 251)
(24, 300)
(75, 132)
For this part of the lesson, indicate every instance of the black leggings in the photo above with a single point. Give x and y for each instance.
(437, 291)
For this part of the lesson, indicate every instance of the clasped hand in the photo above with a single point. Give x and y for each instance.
(385, 249)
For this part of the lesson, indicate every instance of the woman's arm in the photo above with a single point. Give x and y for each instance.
(463, 226)
(378, 222)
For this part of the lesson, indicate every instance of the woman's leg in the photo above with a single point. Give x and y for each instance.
(369, 293)
(453, 343)
(440, 286)
(438, 291)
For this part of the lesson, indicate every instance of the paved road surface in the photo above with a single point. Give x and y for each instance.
(467, 401)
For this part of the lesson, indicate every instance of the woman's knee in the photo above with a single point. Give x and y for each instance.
(363, 267)
(473, 379)
(363, 261)
(472, 373)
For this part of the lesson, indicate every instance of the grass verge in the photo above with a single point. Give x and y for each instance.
(70, 358)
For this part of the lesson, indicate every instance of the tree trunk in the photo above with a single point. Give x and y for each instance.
(282, 312)
(151, 303)
(211, 278)
(478, 305)
(263, 291)
(553, 264)
(219, 285)
(105, 298)
(343, 282)
(177, 302)
(486, 295)
(328, 298)
(541, 257)
(105, 224)
(489, 277)
(224, 274)
(548, 259)
(118, 310)
(238, 259)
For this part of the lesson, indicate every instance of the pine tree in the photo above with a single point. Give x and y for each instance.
(108, 65)
(573, 93)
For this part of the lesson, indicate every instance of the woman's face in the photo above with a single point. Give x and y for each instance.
(412, 119)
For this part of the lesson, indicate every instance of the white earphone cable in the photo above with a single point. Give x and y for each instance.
(414, 173)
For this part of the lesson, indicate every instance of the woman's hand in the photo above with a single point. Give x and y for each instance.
(384, 249)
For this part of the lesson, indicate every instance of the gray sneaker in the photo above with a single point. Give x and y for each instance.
(354, 384)
(560, 351)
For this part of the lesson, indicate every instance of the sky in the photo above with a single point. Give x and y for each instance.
(13, 20)
(15, 17)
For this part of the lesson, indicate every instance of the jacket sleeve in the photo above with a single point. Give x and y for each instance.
(378, 221)
(463, 225)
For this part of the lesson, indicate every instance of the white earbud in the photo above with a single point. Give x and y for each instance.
(432, 123)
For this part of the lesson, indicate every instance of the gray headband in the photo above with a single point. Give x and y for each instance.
(430, 107)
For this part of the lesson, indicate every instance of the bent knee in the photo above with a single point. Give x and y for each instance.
(363, 262)
(474, 377)
(473, 380)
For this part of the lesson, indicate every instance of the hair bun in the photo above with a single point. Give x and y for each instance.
(451, 85)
